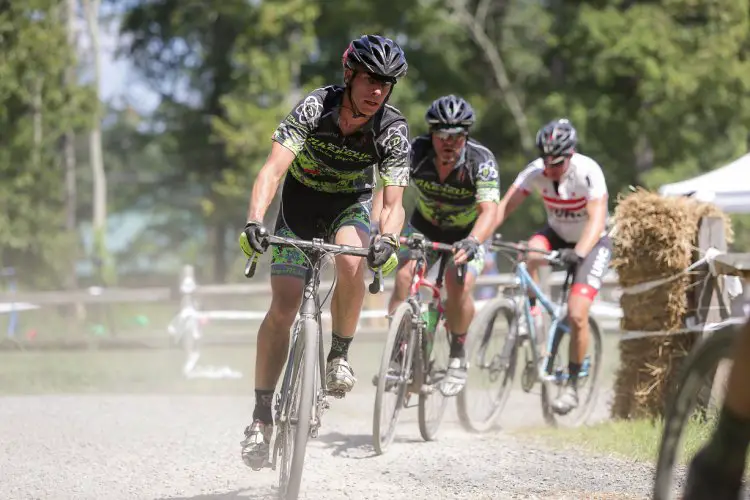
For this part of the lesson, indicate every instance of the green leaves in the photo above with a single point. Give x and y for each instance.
(36, 109)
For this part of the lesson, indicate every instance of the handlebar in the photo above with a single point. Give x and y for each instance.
(499, 244)
(417, 242)
(320, 245)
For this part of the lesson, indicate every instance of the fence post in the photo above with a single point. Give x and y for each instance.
(187, 285)
(712, 300)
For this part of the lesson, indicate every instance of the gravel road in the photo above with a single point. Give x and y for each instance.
(187, 447)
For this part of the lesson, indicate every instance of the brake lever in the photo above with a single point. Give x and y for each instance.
(377, 282)
(250, 266)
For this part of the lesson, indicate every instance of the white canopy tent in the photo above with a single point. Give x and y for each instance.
(727, 187)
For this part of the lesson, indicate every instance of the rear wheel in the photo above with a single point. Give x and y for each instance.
(394, 377)
(491, 351)
(434, 366)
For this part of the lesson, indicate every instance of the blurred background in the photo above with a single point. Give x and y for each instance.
(132, 130)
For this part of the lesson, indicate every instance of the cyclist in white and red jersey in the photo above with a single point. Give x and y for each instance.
(575, 196)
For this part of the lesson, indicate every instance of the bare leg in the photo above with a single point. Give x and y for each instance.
(459, 306)
(401, 286)
(273, 335)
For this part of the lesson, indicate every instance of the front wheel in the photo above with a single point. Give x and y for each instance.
(556, 376)
(299, 414)
(491, 353)
(685, 418)
(394, 376)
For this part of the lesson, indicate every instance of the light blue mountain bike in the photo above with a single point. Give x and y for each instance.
(502, 328)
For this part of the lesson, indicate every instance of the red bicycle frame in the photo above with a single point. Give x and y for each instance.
(419, 280)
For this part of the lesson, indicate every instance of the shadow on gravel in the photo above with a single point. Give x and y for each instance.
(357, 446)
(243, 494)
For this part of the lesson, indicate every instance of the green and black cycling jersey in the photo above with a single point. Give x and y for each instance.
(451, 205)
(328, 161)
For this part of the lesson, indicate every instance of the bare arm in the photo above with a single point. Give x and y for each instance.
(268, 180)
(597, 210)
(377, 208)
(485, 223)
(392, 213)
(510, 202)
(482, 229)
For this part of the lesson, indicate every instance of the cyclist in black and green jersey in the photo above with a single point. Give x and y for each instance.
(458, 189)
(331, 144)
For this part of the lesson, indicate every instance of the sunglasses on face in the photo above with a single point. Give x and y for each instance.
(449, 134)
(554, 161)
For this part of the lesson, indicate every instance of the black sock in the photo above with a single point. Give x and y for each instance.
(727, 448)
(532, 301)
(457, 345)
(573, 370)
(339, 347)
(263, 404)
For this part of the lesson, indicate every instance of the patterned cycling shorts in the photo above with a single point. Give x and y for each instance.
(474, 266)
(306, 214)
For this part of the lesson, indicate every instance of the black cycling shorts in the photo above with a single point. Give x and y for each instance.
(306, 214)
(588, 278)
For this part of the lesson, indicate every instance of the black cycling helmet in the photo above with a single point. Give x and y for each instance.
(557, 138)
(450, 111)
(378, 55)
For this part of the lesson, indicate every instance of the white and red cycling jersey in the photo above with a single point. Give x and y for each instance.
(565, 201)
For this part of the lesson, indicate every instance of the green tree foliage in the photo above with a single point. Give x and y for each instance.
(658, 90)
(35, 110)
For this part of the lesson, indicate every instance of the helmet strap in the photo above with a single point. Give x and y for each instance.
(355, 112)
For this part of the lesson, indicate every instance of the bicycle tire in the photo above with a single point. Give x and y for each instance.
(428, 428)
(582, 413)
(480, 334)
(700, 363)
(402, 318)
(308, 360)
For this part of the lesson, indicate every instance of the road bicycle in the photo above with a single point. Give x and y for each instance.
(303, 398)
(414, 359)
(503, 327)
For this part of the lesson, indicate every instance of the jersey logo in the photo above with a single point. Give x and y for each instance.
(395, 139)
(487, 171)
(309, 111)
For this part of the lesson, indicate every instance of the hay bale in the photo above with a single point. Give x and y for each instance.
(647, 374)
(656, 238)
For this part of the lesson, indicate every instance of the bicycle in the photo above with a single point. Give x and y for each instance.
(410, 364)
(303, 397)
(547, 368)
(693, 408)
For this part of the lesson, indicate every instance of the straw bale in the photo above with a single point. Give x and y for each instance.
(660, 309)
(648, 373)
(656, 238)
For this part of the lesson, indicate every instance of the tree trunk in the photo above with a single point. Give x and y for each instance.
(37, 120)
(91, 8)
(69, 152)
(475, 26)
